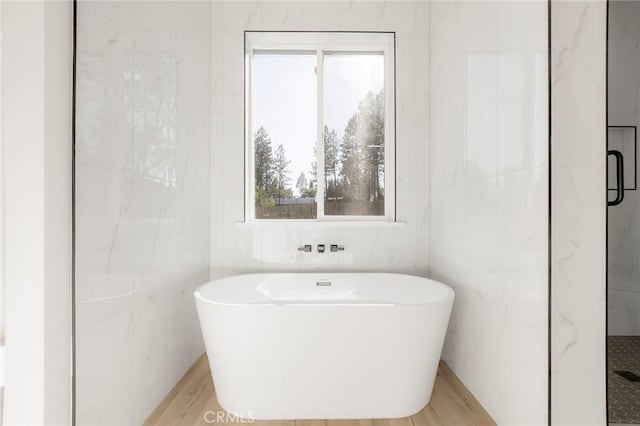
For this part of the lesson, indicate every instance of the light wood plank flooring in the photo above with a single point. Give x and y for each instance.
(451, 405)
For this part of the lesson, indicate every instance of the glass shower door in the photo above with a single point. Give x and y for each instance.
(623, 223)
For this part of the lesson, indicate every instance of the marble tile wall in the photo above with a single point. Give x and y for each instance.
(243, 249)
(489, 189)
(623, 220)
(142, 202)
(578, 213)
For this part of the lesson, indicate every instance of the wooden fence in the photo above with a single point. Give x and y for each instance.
(309, 211)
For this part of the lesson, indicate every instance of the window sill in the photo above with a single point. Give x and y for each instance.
(314, 224)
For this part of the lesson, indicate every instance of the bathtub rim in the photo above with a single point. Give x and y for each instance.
(449, 295)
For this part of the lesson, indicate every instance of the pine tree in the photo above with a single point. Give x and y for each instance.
(281, 171)
(331, 162)
(264, 173)
(314, 169)
(301, 184)
(351, 159)
(372, 108)
(362, 151)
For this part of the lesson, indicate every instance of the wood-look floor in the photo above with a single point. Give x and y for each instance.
(451, 405)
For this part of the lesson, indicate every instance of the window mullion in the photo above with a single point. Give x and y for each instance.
(320, 183)
(249, 150)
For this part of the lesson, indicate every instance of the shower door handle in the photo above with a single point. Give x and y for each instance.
(619, 177)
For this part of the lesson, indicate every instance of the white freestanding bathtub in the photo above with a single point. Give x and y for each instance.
(323, 346)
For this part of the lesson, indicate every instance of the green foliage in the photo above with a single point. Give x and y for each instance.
(263, 161)
(314, 168)
(331, 162)
(362, 151)
(353, 164)
(271, 171)
(302, 183)
(281, 175)
(263, 199)
(308, 192)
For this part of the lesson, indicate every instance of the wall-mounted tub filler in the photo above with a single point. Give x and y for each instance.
(269, 338)
(322, 248)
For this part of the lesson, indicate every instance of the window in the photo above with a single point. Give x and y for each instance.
(319, 126)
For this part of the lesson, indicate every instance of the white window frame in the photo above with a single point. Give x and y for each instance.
(320, 43)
